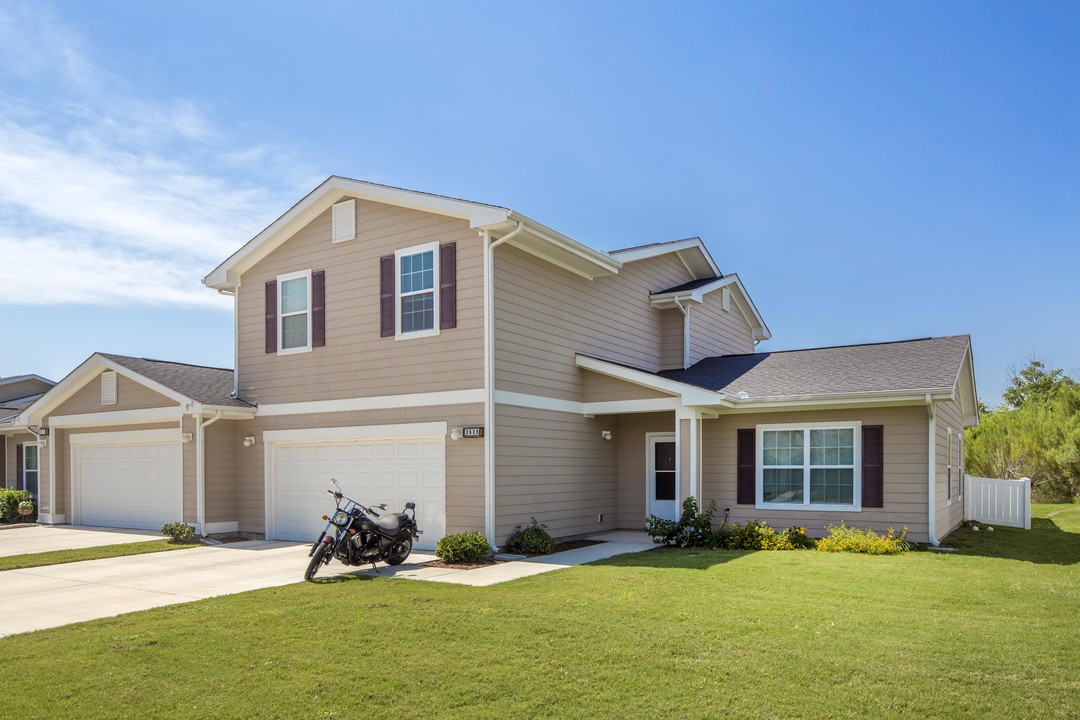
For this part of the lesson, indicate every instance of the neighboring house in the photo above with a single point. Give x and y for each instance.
(18, 446)
(461, 355)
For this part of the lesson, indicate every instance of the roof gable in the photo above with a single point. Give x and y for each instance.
(691, 251)
(696, 290)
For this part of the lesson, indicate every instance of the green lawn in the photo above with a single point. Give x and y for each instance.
(58, 557)
(991, 631)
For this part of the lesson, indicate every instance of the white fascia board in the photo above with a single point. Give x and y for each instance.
(80, 376)
(22, 378)
(230, 412)
(894, 399)
(692, 245)
(227, 274)
(690, 394)
(120, 417)
(556, 248)
(971, 414)
(378, 402)
(697, 295)
(573, 407)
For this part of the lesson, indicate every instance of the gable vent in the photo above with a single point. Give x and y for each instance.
(108, 388)
(344, 220)
(725, 299)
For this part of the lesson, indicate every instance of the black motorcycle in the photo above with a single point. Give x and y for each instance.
(361, 536)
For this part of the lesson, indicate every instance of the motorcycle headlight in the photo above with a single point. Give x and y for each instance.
(341, 518)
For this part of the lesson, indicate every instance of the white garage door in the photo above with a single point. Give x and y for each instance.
(137, 485)
(383, 470)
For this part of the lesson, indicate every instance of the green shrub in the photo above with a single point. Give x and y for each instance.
(841, 538)
(531, 540)
(179, 532)
(466, 547)
(9, 503)
(758, 535)
(692, 529)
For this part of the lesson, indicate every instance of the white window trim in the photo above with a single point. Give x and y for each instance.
(759, 469)
(433, 248)
(36, 471)
(948, 468)
(281, 316)
(960, 465)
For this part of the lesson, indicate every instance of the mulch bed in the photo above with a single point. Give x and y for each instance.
(574, 545)
(9, 526)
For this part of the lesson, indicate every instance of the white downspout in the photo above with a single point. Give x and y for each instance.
(685, 332)
(932, 471)
(200, 468)
(489, 378)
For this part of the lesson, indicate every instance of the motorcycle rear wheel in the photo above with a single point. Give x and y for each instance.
(399, 552)
(316, 561)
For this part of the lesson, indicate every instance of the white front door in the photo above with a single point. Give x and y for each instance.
(661, 476)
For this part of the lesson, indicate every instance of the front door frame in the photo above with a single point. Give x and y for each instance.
(651, 438)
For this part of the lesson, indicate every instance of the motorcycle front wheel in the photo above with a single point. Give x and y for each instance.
(316, 561)
(399, 552)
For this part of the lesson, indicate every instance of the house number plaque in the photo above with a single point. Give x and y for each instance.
(473, 432)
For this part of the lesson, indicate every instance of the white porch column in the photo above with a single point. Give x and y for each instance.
(688, 446)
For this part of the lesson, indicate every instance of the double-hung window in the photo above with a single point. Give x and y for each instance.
(810, 466)
(417, 290)
(294, 312)
(30, 468)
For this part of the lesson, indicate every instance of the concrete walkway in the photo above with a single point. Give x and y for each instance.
(46, 538)
(612, 544)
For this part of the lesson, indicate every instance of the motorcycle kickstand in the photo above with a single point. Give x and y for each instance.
(375, 568)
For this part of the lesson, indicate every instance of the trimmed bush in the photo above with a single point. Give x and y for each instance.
(758, 535)
(179, 532)
(692, 529)
(531, 540)
(841, 538)
(9, 503)
(466, 547)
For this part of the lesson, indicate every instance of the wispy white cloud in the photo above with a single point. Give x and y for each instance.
(106, 197)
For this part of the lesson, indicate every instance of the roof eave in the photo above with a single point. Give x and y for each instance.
(691, 251)
(554, 247)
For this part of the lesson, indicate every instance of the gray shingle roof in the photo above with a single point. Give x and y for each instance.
(207, 385)
(692, 285)
(927, 363)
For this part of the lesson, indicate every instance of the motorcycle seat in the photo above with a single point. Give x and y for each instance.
(392, 523)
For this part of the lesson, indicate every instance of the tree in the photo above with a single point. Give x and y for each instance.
(1035, 383)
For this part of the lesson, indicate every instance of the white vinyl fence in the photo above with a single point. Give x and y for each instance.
(998, 502)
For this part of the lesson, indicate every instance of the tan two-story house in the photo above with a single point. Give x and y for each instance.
(491, 369)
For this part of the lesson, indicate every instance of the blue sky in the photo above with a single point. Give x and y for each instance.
(872, 171)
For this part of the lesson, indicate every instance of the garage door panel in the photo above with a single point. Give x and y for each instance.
(385, 470)
(134, 485)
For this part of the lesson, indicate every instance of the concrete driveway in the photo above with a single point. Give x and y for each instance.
(44, 597)
(44, 538)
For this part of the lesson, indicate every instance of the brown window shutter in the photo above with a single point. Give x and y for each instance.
(745, 479)
(873, 466)
(448, 286)
(386, 295)
(19, 466)
(271, 316)
(318, 308)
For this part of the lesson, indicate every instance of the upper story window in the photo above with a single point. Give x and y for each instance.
(417, 296)
(809, 466)
(294, 312)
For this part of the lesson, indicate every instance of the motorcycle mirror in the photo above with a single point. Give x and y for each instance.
(410, 505)
(382, 506)
(332, 480)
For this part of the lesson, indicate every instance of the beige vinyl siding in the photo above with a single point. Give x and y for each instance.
(715, 331)
(130, 395)
(544, 315)
(221, 445)
(356, 361)
(948, 515)
(59, 437)
(671, 339)
(464, 459)
(554, 467)
(906, 462)
(632, 460)
(601, 388)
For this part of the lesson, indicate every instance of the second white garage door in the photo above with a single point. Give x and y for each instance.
(128, 484)
(372, 471)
